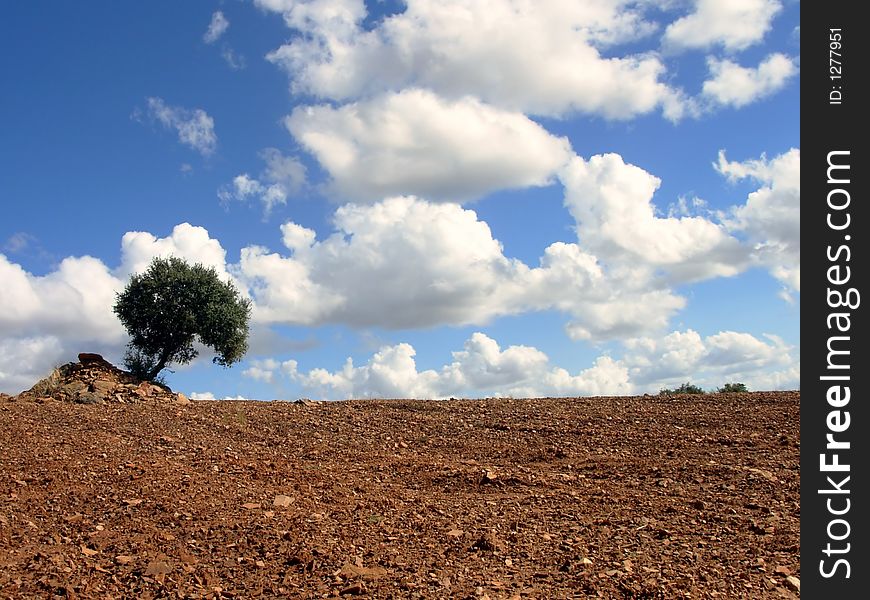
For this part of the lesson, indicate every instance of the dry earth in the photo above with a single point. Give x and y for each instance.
(640, 497)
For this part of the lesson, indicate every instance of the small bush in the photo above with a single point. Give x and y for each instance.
(731, 388)
(685, 388)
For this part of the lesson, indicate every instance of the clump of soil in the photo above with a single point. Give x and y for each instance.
(94, 380)
(623, 497)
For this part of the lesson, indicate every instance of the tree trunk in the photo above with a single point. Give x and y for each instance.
(161, 364)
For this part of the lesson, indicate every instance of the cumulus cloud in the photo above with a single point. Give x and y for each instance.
(735, 25)
(481, 368)
(733, 85)
(23, 361)
(189, 242)
(282, 176)
(405, 263)
(437, 263)
(45, 320)
(458, 48)
(71, 301)
(770, 218)
(195, 128)
(654, 363)
(216, 28)
(414, 142)
(611, 201)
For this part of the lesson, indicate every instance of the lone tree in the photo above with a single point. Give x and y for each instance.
(172, 304)
(732, 388)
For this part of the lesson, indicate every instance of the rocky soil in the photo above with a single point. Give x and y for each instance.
(138, 496)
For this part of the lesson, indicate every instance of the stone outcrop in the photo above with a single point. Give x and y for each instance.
(94, 380)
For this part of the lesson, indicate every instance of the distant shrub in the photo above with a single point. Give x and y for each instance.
(685, 388)
(730, 388)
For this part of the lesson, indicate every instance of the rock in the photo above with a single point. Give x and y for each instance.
(793, 582)
(89, 358)
(181, 399)
(780, 570)
(74, 388)
(489, 477)
(103, 387)
(349, 571)
(353, 590)
(487, 543)
(145, 390)
(89, 398)
(282, 500)
(158, 567)
(94, 380)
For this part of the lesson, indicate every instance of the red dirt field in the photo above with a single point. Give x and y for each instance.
(617, 497)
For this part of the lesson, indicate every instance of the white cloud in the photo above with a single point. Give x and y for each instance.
(195, 127)
(536, 57)
(733, 85)
(211, 396)
(216, 28)
(770, 218)
(481, 368)
(611, 202)
(414, 142)
(621, 314)
(710, 362)
(47, 319)
(234, 61)
(482, 364)
(23, 361)
(282, 169)
(283, 176)
(262, 370)
(399, 263)
(405, 262)
(296, 237)
(189, 242)
(735, 24)
(18, 242)
(82, 286)
(244, 187)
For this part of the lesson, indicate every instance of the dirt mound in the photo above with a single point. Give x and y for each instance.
(94, 380)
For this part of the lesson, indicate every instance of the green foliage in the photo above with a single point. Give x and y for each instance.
(730, 388)
(172, 304)
(685, 388)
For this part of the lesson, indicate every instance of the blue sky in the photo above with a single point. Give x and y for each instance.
(423, 199)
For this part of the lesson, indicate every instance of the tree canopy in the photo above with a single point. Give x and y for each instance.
(173, 304)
